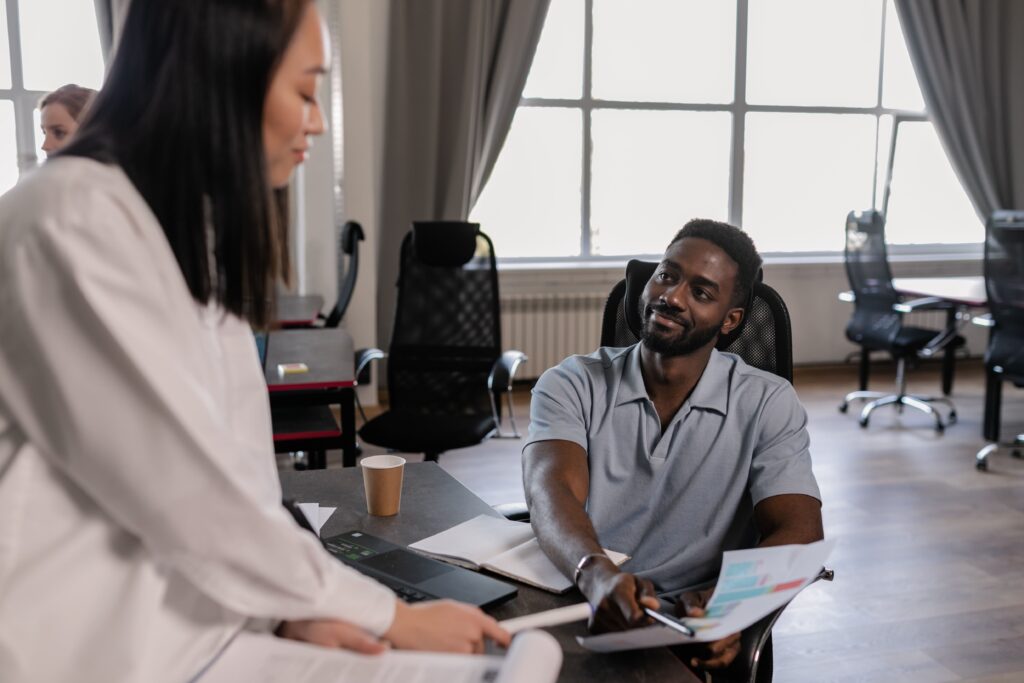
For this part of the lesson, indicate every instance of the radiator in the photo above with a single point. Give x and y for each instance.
(549, 327)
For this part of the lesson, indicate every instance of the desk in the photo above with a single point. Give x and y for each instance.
(294, 310)
(433, 501)
(330, 381)
(969, 291)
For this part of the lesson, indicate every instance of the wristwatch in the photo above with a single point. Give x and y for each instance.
(584, 562)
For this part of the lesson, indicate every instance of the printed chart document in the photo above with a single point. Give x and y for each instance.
(316, 516)
(502, 546)
(534, 657)
(752, 584)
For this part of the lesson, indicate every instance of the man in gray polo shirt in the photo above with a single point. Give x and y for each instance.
(669, 450)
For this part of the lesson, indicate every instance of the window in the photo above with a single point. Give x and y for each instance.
(777, 115)
(43, 44)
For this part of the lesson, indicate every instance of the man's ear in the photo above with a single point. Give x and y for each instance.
(732, 320)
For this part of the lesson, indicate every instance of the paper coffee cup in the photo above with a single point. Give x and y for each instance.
(382, 481)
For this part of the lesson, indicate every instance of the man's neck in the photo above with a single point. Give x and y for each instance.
(670, 380)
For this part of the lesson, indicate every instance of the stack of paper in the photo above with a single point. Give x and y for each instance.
(752, 584)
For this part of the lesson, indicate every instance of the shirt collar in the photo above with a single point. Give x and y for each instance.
(711, 392)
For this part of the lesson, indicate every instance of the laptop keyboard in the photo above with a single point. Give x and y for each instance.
(345, 550)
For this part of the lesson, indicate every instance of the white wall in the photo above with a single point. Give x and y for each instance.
(363, 25)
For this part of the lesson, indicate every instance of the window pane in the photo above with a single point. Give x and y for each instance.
(651, 172)
(531, 204)
(803, 174)
(927, 203)
(60, 44)
(814, 52)
(899, 82)
(5, 49)
(664, 50)
(557, 69)
(8, 147)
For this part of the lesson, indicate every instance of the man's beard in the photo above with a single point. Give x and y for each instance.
(684, 342)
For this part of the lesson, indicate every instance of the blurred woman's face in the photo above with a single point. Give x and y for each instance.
(291, 112)
(57, 125)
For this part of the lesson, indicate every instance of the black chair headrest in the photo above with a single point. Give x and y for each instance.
(637, 275)
(446, 244)
(351, 233)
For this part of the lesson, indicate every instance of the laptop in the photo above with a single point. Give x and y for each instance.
(415, 577)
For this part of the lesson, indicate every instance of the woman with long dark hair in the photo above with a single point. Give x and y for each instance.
(140, 516)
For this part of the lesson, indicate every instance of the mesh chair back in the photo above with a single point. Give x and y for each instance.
(874, 323)
(764, 340)
(1004, 286)
(447, 331)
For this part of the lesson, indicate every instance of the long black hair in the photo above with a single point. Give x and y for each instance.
(181, 112)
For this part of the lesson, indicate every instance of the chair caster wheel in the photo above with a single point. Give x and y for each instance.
(940, 429)
(863, 422)
(952, 417)
(981, 466)
(843, 408)
(1017, 453)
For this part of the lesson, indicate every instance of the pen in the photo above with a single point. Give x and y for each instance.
(671, 622)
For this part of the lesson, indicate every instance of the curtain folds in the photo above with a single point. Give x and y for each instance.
(456, 72)
(110, 18)
(969, 60)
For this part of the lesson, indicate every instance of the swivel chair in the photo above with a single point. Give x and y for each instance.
(446, 370)
(1004, 287)
(877, 321)
(763, 340)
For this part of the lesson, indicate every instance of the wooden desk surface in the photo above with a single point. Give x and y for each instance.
(298, 309)
(326, 352)
(432, 501)
(969, 291)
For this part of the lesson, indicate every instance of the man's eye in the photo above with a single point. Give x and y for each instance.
(701, 294)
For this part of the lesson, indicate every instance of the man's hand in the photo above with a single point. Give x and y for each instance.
(618, 599)
(716, 655)
(444, 626)
(331, 633)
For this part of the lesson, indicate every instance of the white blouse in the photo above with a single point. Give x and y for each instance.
(140, 515)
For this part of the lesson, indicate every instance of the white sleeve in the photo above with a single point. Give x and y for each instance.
(100, 374)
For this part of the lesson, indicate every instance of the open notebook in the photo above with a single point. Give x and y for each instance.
(503, 547)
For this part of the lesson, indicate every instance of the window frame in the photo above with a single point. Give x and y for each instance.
(24, 100)
(738, 109)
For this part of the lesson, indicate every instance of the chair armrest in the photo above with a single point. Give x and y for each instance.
(927, 303)
(754, 638)
(984, 320)
(504, 371)
(363, 358)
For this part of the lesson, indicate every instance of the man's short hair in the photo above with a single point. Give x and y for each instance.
(734, 242)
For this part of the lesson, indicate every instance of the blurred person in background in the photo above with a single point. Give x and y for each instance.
(60, 113)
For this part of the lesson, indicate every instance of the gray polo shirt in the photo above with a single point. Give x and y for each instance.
(675, 501)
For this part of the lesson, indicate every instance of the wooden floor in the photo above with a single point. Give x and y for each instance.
(930, 557)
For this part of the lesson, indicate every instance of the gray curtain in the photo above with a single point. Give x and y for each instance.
(969, 60)
(110, 18)
(456, 72)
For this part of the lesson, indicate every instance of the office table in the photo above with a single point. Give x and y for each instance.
(969, 291)
(432, 501)
(330, 380)
(295, 310)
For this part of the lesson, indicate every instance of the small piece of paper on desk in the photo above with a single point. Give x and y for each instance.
(316, 516)
(751, 584)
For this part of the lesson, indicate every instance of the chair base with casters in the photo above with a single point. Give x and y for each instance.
(910, 337)
(1016, 448)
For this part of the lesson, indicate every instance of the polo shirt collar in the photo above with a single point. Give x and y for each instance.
(711, 392)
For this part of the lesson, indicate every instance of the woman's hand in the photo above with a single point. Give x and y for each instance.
(331, 633)
(444, 626)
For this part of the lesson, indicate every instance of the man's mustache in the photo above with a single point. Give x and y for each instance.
(666, 310)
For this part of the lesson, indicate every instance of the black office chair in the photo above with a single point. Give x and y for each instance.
(1004, 287)
(877, 322)
(763, 340)
(446, 371)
